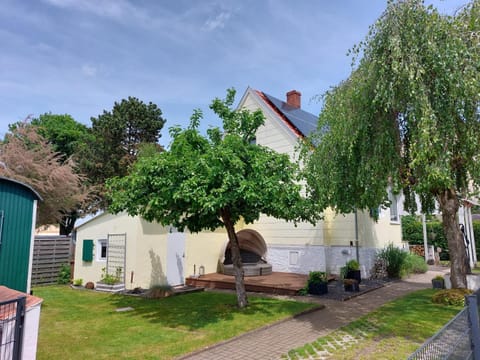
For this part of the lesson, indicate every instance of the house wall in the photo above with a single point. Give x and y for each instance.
(291, 248)
(147, 245)
(205, 249)
(147, 255)
(329, 244)
(326, 246)
(145, 249)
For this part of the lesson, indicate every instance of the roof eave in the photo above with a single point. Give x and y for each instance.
(280, 114)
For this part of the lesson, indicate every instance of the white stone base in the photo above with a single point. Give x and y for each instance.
(473, 282)
(296, 259)
(303, 259)
(110, 288)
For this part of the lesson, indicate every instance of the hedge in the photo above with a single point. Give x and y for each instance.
(412, 231)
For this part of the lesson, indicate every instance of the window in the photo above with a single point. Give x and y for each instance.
(102, 249)
(393, 208)
(293, 258)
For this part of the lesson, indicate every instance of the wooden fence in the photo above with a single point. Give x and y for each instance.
(49, 254)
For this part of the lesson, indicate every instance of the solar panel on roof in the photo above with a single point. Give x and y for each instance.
(304, 121)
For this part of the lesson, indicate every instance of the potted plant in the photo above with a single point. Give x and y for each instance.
(438, 282)
(353, 270)
(351, 285)
(317, 283)
(78, 282)
(110, 282)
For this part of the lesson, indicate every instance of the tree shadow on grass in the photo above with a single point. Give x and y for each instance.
(199, 310)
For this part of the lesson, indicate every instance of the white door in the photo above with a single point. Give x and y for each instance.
(176, 258)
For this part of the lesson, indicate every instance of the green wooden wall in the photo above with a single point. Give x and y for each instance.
(16, 203)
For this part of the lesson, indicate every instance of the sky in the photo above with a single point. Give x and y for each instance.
(79, 57)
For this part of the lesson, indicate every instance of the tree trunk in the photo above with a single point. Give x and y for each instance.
(449, 205)
(242, 300)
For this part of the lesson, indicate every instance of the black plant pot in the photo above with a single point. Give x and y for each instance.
(318, 289)
(354, 274)
(351, 287)
(438, 283)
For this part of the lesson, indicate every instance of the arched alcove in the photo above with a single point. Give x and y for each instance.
(253, 251)
(253, 248)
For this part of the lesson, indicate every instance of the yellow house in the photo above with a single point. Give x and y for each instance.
(338, 238)
(148, 254)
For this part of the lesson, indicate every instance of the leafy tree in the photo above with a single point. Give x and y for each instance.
(213, 181)
(407, 117)
(119, 133)
(69, 138)
(64, 133)
(28, 157)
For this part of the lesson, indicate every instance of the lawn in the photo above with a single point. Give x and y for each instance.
(82, 324)
(393, 331)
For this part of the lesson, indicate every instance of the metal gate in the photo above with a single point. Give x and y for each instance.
(12, 317)
(116, 255)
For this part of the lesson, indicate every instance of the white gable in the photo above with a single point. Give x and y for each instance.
(275, 133)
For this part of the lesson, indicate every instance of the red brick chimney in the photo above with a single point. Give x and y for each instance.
(294, 98)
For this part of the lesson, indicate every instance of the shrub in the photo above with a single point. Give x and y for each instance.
(78, 282)
(314, 278)
(412, 231)
(454, 297)
(414, 264)
(352, 265)
(395, 259)
(64, 274)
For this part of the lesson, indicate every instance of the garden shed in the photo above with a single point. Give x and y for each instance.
(18, 210)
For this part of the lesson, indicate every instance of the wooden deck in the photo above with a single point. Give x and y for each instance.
(279, 283)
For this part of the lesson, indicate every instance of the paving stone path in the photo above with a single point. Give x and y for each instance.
(271, 342)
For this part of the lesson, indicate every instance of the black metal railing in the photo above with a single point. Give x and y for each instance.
(458, 339)
(12, 317)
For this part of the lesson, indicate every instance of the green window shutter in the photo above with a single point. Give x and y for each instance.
(87, 253)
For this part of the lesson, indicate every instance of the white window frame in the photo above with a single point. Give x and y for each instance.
(393, 209)
(100, 244)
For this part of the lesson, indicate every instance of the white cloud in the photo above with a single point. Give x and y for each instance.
(89, 70)
(218, 22)
(115, 9)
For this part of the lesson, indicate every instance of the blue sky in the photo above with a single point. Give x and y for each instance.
(78, 57)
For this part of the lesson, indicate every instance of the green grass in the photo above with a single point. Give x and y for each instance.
(77, 324)
(393, 331)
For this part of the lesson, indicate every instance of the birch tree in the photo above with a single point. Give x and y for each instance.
(406, 118)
